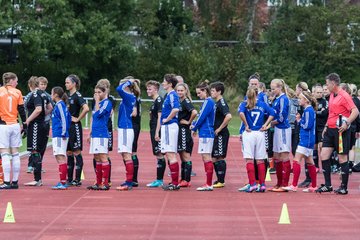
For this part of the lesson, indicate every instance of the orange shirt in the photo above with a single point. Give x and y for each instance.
(341, 104)
(10, 99)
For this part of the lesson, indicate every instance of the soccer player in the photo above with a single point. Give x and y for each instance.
(205, 125)
(78, 109)
(152, 88)
(170, 130)
(187, 114)
(136, 121)
(60, 122)
(252, 113)
(342, 112)
(282, 134)
(221, 140)
(306, 143)
(125, 129)
(36, 137)
(99, 137)
(11, 105)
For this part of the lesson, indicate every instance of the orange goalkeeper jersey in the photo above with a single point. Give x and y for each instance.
(10, 99)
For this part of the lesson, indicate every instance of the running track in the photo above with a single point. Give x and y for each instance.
(144, 213)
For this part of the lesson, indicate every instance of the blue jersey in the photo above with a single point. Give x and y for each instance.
(206, 118)
(100, 118)
(126, 106)
(255, 117)
(171, 101)
(308, 128)
(281, 107)
(60, 120)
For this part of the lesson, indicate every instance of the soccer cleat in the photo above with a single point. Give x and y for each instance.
(193, 174)
(125, 186)
(184, 183)
(251, 188)
(290, 188)
(76, 183)
(156, 183)
(171, 187)
(34, 183)
(324, 188)
(277, 189)
(94, 187)
(305, 183)
(218, 185)
(59, 186)
(135, 184)
(261, 188)
(5, 186)
(29, 170)
(205, 188)
(109, 183)
(14, 185)
(104, 187)
(310, 189)
(243, 189)
(341, 190)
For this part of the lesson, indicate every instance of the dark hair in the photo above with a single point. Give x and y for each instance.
(75, 79)
(8, 76)
(153, 83)
(60, 92)
(334, 77)
(218, 86)
(255, 76)
(204, 86)
(171, 78)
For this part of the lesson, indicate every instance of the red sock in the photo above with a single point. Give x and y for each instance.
(312, 173)
(105, 172)
(98, 172)
(279, 172)
(129, 166)
(209, 170)
(250, 168)
(174, 170)
(296, 173)
(286, 173)
(261, 172)
(63, 172)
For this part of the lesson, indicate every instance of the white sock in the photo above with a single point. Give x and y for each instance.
(16, 166)
(6, 166)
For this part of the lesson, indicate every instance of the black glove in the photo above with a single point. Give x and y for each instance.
(24, 131)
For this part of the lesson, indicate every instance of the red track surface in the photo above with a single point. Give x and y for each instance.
(144, 213)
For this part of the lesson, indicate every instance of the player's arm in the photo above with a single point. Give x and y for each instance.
(224, 123)
(48, 109)
(157, 129)
(33, 115)
(172, 114)
(134, 112)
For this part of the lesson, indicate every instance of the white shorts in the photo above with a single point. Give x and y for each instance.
(169, 137)
(282, 140)
(59, 145)
(254, 145)
(125, 140)
(99, 145)
(205, 145)
(305, 151)
(10, 136)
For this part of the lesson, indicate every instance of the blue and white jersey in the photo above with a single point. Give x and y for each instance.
(171, 101)
(281, 107)
(100, 118)
(205, 120)
(126, 106)
(260, 97)
(255, 117)
(308, 128)
(60, 120)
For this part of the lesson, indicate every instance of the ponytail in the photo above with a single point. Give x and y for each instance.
(251, 97)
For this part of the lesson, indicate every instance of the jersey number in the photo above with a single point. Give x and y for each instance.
(10, 103)
(257, 115)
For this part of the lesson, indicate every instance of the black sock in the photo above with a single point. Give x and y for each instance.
(30, 161)
(187, 171)
(183, 170)
(307, 174)
(316, 158)
(222, 170)
(326, 165)
(70, 167)
(37, 163)
(94, 165)
(161, 166)
(344, 174)
(216, 170)
(109, 169)
(136, 167)
(79, 167)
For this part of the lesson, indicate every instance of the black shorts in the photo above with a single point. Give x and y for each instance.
(331, 139)
(269, 150)
(156, 145)
(136, 128)
(352, 139)
(185, 140)
(318, 137)
(47, 129)
(220, 144)
(75, 137)
(37, 136)
(111, 139)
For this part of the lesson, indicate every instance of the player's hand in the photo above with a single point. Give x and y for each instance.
(74, 119)
(217, 132)
(88, 139)
(323, 132)
(343, 127)
(247, 129)
(96, 97)
(183, 121)
(157, 138)
(264, 128)
(24, 130)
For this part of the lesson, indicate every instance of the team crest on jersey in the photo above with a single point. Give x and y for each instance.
(79, 94)
(159, 99)
(222, 102)
(187, 100)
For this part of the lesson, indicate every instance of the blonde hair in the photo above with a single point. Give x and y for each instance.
(346, 87)
(310, 98)
(186, 87)
(251, 95)
(33, 82)
(280, 83)
(291, 92)
(43, 80)
(303, 86)
(8, 76)
(135, 87)
(353, 89)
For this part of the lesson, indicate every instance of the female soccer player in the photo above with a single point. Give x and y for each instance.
(205, 125)
(306, 144)
(252, 113)
(100, 137)
(60, 123)
(282, 134)
(136, 121)
(125, 129)
(187, 114)
(170, 130)
(152, 89)
(76, 104)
